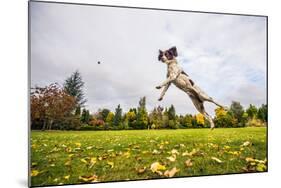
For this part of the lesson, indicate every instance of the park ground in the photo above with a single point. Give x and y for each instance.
(71, 157)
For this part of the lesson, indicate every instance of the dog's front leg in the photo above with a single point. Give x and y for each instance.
(164, 91)
(171, 78)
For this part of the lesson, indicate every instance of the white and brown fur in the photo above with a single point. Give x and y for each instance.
(181, 80)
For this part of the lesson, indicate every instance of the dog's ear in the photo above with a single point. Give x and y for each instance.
(174, 51)
(160, 55)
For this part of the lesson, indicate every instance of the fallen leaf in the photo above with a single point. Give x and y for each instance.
(261, 167)
(247, 143)
(92, 178)
(78, 144)
(226, 147)
(67, 163)
(249, 159)
(155, 151)
(34, 173)
(127, 154)
(70, 155)
(190, 154)
(66, 177)
(141, 170)
(172, 158)
(188, 163)
(84, 161)
(174, 151)
(216, 159)
(171, 173)
(93, 161)
(156, 167)
(111, 164)
(182, 145)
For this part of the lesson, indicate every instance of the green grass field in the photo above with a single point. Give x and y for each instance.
(70, 157)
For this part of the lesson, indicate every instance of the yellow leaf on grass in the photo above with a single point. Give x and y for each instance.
(78, 144)
(67, 163)
(188, 163)
(171, 173)
(174, 151)
(247, 143)
(190, 154)
(249, 159)
(34, 173)
(141, 170)
(226, 147)
(84, 161)
(155, 151)
(70, 155)
(157, 167)
(216, 159)
(261, 167)
(92, 178)
(111, 164)
(93, 161)
(66, 177)
(172, 158)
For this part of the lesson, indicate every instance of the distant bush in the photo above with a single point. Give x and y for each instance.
(255, 123)
(87, 127)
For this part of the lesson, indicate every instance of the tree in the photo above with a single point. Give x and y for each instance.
(200, 119)
(131, 118)
(172, 118)
(103, 113)
(252, 111)
(142, 116)
(109, 120)
(78, 111)
(262, 113)
(172, 113)
(236, 109)
(224, 118)
(85, 117)
(118, 116)
(50, 104)
(186, 121)
(73, 85)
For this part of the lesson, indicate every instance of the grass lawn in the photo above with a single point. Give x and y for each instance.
(70, 157)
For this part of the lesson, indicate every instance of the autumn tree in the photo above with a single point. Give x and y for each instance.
(200, 120)
(224, 118)
(131, 118)
(50, 104)
(109, 120)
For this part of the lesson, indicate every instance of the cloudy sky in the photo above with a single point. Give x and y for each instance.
(225, 55)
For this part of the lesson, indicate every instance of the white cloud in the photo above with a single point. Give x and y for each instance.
(224, 54)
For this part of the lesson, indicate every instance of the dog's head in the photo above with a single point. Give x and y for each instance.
(167, 54)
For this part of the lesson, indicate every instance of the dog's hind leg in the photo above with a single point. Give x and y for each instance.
(200, 107)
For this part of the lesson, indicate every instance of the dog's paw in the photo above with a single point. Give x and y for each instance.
(158, 87)
(160, 99)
